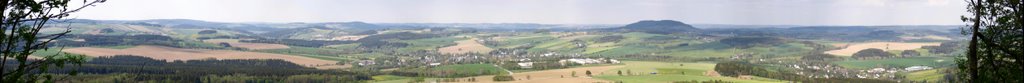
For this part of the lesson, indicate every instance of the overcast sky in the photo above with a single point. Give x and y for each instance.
(751, 12)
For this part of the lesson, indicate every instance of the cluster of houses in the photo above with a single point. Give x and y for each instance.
(818, 70)
(585, 61)
(517, 56)
(582, 61)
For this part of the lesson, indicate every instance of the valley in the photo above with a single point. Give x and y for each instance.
(652, 51)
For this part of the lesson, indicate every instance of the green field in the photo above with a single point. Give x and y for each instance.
(470, 68)
(933, 75)
(429, 43)
(319, 53)
(670, 72)
(897, 62)
(47, 52)
(390, 79)
(117, 47)
(701, 50)
(515, 41)
(673, 78)
(599, 47)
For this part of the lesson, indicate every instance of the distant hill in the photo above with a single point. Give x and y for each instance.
(305, 33)
(658, 27)
(352, 26)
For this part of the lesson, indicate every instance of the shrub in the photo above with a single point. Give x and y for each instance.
(504, 78)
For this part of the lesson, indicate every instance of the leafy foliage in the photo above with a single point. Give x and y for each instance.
(142, 69)
(872, 53)
(504, 78)
(207, 32)
(20, 37)
(736, 68)
(909, 53)
(995, 50)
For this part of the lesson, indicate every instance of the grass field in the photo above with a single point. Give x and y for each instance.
(470, 68)
(556, 44)
(250, 46)
(670, 72)
(390, 79)
(512, 42)
(429, 43)
(599, 47)
(722, 50)
(117, 47)
(898, 62)
(702, 50)
(933, 75)
(554, 76)
(40, 54)
(673, 78)
(319, 53)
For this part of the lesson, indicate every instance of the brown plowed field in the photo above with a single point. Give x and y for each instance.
(171, 54)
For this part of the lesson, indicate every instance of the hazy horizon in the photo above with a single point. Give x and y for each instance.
(732, 12)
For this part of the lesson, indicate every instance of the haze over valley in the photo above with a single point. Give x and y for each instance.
(496, 41)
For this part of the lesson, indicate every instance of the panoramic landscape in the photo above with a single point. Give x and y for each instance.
(453, 42)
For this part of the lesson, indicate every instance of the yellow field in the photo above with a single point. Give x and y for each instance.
(853, 48)
(171, 54)
(250, 46)
(465, 46)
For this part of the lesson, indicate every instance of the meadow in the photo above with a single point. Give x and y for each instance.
(664, 72)
(933, 75)
(897, 62)
(250, 46)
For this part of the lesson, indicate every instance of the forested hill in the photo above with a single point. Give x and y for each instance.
(659, 27)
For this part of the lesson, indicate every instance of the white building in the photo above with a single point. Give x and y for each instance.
(526, 65)
(588, 61)
(917, 68)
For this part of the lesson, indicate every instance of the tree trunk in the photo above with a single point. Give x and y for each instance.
(972, 52)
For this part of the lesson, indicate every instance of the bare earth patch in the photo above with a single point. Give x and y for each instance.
(849, 50)
(553, 76)
(251, 46)
(466, 46)
(171, 54)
